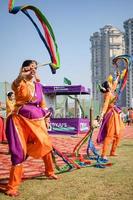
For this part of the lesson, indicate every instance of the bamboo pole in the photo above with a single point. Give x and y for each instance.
(91, 114)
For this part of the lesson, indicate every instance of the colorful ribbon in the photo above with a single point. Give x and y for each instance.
(122, 64)
(48, 37)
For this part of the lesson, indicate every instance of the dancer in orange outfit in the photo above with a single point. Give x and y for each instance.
(112, 125)
(10, 103)
(26, 127)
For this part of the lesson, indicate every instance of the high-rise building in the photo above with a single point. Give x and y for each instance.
(128, 26)
(105, 45)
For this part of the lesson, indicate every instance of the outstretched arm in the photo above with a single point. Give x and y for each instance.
(116, 81)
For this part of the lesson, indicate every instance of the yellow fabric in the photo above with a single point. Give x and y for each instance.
(9, 106)
(123, 73)
(110, 79)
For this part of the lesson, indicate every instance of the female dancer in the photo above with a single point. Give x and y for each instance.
(112, 124)
(26, 127)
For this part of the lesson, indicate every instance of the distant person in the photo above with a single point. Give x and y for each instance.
(2, 127)
(130, 116)
(26, 127)
(10, 103)
(96, 122)
(127, 119)
(124, 117)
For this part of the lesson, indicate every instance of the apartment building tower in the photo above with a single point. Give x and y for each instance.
(128, 27)
(105, 45)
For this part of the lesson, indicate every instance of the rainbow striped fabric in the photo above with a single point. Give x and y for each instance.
(47, 37)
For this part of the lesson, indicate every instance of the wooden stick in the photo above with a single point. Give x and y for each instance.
(91, 114)
(42, 65)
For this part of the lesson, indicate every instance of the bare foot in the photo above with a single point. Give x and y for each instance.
(53, 176)
(12, 193)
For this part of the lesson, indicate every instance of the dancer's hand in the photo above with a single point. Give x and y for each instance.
(118, 73)
(37, 78)
(25, 71)
(101, 118)
(47, 122)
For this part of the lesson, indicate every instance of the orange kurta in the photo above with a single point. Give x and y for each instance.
(31, 132)
(114, 125)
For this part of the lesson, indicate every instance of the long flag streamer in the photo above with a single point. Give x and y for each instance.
(47, 37)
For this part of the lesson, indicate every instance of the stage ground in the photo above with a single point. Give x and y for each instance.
(33, 167)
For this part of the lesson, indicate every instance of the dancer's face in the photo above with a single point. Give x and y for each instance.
(30, 70)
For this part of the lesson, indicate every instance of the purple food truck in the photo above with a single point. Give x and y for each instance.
(68, 116)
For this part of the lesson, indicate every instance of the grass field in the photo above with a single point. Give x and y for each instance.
(111, 183)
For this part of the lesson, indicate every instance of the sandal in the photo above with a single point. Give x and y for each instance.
(103, 160)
